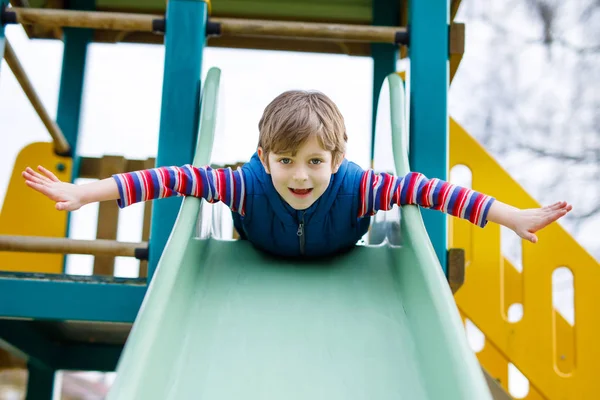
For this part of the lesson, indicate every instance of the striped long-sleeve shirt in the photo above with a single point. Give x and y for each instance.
(213, 185)
(378, 191)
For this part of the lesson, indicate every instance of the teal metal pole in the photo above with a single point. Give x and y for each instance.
(72, 78)
(429, 80)
(184, 44)
(3, 3)
(40, 383)
(385, 13)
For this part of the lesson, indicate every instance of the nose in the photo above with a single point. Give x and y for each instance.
(300, 174)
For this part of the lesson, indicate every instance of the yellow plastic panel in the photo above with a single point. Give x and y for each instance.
(496, 364)
(26, 212)
(559, 360)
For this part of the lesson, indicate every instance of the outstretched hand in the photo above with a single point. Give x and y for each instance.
(527, 222)
(68, 196)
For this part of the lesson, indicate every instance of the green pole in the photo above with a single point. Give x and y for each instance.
(184, 44)
(72, 78)
(3, 3)
(40, 383)
(385, 13)
(429, 80)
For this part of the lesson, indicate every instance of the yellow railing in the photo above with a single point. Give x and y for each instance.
(560, 360)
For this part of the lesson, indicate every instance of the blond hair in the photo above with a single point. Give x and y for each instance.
(294, 116)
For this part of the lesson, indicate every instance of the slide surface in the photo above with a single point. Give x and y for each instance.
(222, 320)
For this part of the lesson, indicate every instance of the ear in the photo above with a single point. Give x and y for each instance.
(263, 159)
(338, 164)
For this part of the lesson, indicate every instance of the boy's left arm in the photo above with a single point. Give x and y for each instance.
(382, 191)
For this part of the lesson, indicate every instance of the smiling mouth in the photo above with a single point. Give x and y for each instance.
(300, 192)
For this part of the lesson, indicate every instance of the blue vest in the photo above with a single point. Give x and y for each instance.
(327, 227)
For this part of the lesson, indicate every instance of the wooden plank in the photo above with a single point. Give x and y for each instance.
(143, 272)
(454, 6)
(60, 245)
(10, 361)
(498, 392)
(108, 215)
(89, 167)
(85, 19)
(457, 47)
(456, 268)
(457, 38)
(61, 146)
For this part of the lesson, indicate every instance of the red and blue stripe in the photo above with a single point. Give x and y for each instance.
(380, 192)
(213, 185)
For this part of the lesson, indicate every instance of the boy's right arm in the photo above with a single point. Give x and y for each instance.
(128, 188)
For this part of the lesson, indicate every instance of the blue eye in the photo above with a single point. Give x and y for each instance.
(316, 161)
(285, 161)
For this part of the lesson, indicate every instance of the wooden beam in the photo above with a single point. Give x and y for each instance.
(454, 6)
(143, 271)
(456, 268)
(129, 22)
(61, 145)
(85, 19)
(108, 216)
(308, 30)
(497, 391)
(40, 244)
(456, 47)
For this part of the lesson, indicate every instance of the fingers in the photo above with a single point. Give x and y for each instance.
(49, 174)
(35, 176)
(551, 217)
(528, 235)
(47, 177)
(531, 237)
(39, 187)
(558, 206)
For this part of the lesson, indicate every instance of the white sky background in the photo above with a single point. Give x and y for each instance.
(121, 108)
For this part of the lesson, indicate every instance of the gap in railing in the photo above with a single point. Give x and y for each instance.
(518, 384)
(515, 312)
(475, 337)
(563, 302)
(563, 293)
(461, 175)
(512, 247)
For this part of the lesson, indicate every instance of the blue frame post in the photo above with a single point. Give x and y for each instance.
(184, 44)
(40, 383)
(429, 80)
(385, 56)
(2, 3)
(72, 78)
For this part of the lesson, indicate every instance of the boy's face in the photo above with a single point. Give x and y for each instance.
(302, 178)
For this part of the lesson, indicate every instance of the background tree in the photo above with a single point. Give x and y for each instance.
(527, 89)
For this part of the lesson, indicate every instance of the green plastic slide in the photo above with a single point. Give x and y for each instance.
(222, 320)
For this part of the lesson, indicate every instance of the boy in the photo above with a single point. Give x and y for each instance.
(298, 195)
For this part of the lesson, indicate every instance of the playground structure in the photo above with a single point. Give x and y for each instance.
(82, 323)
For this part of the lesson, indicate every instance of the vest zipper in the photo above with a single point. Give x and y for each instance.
(300, 234)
